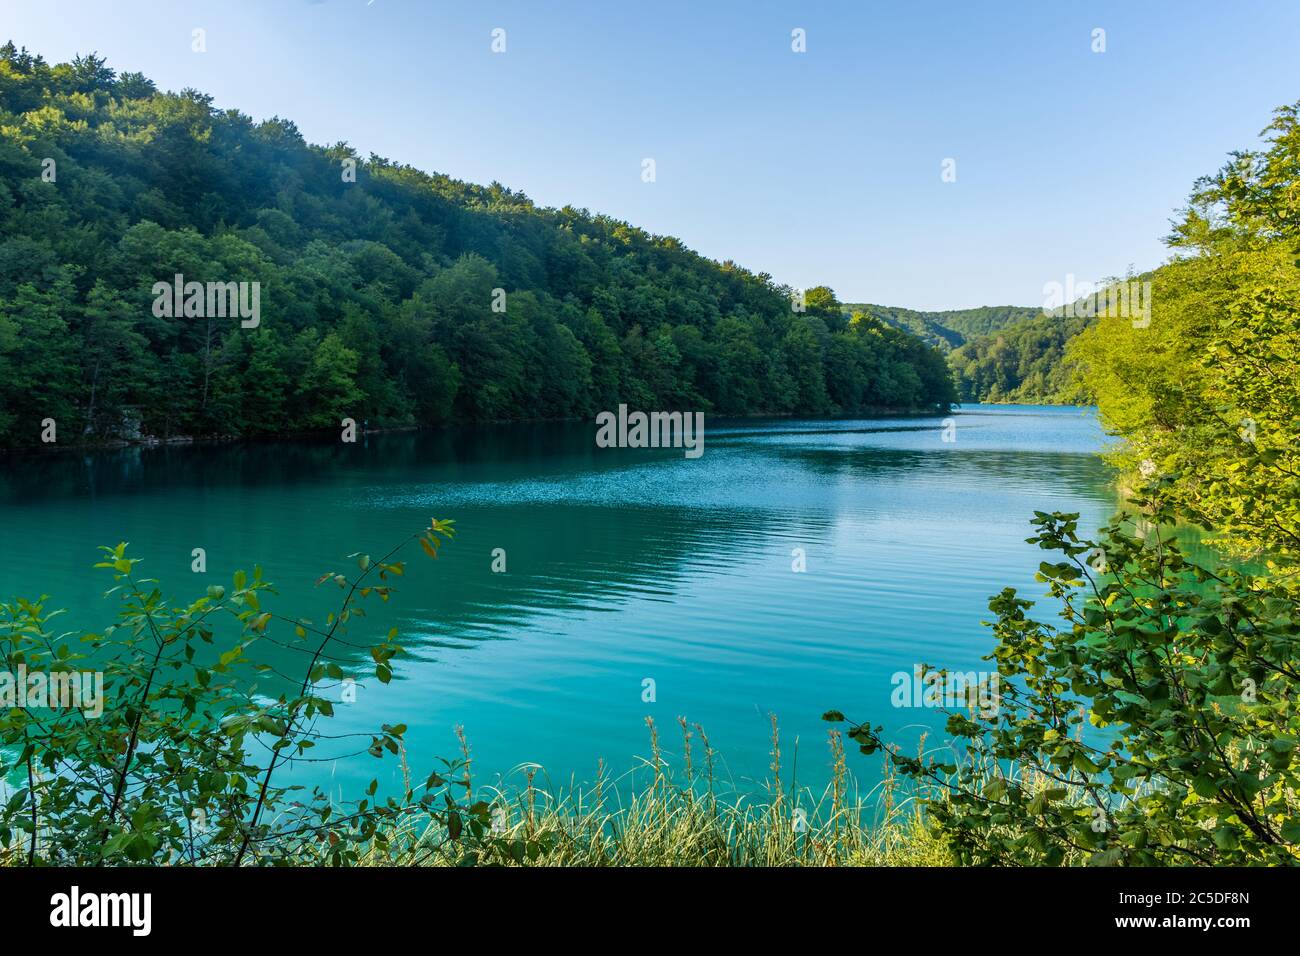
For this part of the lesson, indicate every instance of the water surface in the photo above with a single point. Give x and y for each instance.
(621, 566)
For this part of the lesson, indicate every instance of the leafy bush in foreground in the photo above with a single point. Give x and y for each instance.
(179, 767)
(1159, 727)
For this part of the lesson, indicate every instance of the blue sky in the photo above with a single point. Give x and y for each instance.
(819, 168)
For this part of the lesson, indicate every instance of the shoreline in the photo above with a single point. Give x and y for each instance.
(151, 442)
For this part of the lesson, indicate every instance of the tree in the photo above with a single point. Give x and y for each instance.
(38, 379)
(1207, 391)
(265, 387)
(328, 390)
(112, 353)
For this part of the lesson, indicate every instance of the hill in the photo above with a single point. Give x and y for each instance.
(949, 329)
(1024, 362)
(382, 293)
(997, 353)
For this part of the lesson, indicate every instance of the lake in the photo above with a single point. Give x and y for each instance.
(622, 566)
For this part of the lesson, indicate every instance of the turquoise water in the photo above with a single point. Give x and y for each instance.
(621, 565)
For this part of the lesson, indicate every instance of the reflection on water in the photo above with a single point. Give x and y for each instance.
(622, 564)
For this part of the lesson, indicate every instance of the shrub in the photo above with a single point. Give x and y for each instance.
(180, 765)
(1158, 727)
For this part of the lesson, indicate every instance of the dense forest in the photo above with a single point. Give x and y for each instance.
(952, 328)
(997, 353)
(386, 294)
(1022, 362)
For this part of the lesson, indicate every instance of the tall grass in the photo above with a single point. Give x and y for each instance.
(670, 810)
(680, 813)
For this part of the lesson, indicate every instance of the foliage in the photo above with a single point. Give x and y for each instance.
(377, 295)
(1158, 727)
(1208, 393)
(180, 765)
(1023, 362)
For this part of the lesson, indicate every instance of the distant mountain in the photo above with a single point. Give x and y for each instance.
(952, 328)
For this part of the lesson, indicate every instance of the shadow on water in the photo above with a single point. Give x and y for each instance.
(544, 493)
(620, 563)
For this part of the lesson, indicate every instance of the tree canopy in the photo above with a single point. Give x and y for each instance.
(387, 293)
(1207, 392)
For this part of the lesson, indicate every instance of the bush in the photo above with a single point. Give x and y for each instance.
(1158, 727)
(180, 765)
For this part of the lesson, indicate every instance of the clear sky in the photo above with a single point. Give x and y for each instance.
(821, 167)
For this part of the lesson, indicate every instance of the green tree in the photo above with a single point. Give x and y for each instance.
(112, 355)
(1206, 391)
(328, 390)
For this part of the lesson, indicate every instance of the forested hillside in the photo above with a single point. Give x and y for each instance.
(950, 329)
(386, 293)
(997, 353)
(1024, 362)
